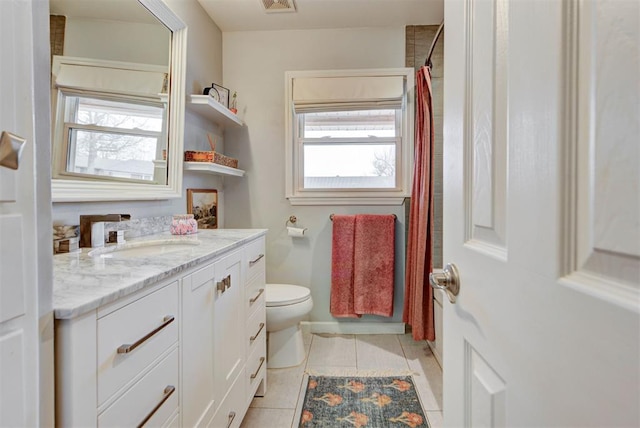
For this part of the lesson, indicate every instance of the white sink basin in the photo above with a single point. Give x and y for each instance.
(143, 249)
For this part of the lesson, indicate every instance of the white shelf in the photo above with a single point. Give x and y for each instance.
(213, 168)
(207, 107)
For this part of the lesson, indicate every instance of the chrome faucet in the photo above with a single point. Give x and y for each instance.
(88, 224)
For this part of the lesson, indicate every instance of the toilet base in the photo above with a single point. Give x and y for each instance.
(285, 347)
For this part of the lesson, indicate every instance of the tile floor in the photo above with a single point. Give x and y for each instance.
(348, 353)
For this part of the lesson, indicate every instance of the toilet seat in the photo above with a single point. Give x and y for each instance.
(285, 294)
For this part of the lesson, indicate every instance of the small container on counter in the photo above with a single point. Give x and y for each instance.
(184, 224)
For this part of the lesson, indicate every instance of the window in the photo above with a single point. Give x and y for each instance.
(110, 120)
(349, 137)
(108, 137)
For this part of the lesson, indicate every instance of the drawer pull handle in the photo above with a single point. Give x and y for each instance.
(253, 376)
(125, 349)
(253, 300)
(253, 262)
(170, 389)
(224, 284)
(252, 338)
(232, 416)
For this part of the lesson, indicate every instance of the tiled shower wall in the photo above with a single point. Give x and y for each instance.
(418, 41)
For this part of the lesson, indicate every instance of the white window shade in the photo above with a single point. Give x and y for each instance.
(316, 94)
(116, 79)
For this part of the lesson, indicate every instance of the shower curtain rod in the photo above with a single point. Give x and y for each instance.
(427, 62)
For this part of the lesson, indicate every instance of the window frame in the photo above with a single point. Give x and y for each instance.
(294, 159)
(63, 126)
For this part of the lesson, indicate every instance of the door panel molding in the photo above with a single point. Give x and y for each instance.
(12, 292)
(485, 392)
(485, 139)
(13, 386)
(600, 252)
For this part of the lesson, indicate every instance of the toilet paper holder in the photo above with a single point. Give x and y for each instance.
(292, 219)
(294, 232)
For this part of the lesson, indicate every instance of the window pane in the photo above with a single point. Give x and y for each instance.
(349, 166)
(115, 114)
(350, 124)
(111, 154)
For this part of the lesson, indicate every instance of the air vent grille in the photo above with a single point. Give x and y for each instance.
(273, 6)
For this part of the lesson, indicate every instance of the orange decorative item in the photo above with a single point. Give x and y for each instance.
(210, 156)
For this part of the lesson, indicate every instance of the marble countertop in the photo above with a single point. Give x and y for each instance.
(82, 282)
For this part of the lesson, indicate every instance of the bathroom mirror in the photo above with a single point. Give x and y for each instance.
(117, 100)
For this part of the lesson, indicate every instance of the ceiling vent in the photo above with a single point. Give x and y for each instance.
(273, 6)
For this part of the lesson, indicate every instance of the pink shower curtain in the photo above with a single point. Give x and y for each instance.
(418, 296)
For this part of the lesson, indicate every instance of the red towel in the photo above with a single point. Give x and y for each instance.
(374, 262)
(362, 265)
(342, 267)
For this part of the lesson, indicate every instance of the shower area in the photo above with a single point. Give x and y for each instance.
(418, 39)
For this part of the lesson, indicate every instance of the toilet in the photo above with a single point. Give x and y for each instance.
(287, 305)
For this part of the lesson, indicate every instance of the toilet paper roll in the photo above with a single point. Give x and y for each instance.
(296, 232)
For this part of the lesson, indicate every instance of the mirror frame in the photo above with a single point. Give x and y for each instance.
(63, 190)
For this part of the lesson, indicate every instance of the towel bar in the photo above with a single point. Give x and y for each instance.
(394, 217)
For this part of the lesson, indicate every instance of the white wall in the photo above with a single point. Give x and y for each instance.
(204, 66)
(253, 65)
(117, 41)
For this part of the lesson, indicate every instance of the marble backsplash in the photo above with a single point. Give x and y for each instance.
(139, 227)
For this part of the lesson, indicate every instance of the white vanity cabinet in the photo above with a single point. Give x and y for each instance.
(118, 365)
(223, 338)
(189, 351)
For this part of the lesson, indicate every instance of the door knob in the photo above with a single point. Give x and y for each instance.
(447, 280)
(10, 149)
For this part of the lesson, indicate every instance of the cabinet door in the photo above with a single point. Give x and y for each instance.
(198, 399)
(229, 323)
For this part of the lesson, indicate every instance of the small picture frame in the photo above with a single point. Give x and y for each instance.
(203, 204)
(224, 94)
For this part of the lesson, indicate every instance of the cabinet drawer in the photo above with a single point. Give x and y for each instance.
(256, 369)
(256, 331)
(255, 294)
(232, 408)
(145, 326)
(154, 398)
(255, 253)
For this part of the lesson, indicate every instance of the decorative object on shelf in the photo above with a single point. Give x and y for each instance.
(234, 107)
(223, 94)
(212, 142)
(214, 95)
(184, 224)
(198, 156)
(203, 204)
(221, 159)
(211, 157)
(206, 90)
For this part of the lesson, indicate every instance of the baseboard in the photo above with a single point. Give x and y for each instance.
(435, 352)
(335, 327)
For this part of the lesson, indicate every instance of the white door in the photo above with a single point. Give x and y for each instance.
(19, 403)
(542, 213)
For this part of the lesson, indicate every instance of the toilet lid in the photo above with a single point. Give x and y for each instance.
(286, 294)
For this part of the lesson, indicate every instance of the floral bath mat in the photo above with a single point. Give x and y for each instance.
(373, 402)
